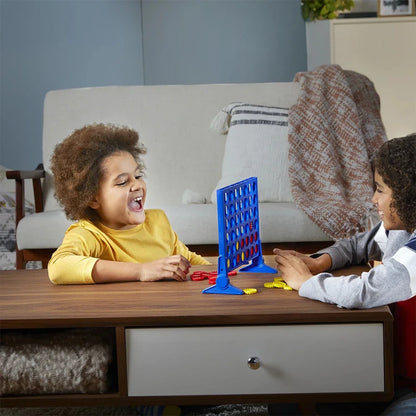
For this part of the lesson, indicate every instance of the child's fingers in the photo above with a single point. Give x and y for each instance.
(182, 263)
(177, 267)
(180, 276)
(283, 259)
(292, 252)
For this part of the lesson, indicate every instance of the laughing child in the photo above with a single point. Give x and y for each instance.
(392, 241)
(99, 181)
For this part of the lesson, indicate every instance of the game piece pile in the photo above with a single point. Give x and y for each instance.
(278, 282)
(211, 276)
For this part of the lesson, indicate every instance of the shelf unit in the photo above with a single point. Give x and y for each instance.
(381, 48)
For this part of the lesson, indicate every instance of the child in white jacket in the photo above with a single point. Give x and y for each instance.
(392, 241)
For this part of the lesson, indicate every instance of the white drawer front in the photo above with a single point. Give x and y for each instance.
(293, 359)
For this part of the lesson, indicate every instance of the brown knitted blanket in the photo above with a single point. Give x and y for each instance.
(334, 130)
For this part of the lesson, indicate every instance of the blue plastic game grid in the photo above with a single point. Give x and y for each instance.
(238, 234)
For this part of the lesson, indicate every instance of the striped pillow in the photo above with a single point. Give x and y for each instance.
(256, 145)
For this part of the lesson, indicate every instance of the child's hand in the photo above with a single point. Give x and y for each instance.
(172, 267)
(315, 265)
(293, 268)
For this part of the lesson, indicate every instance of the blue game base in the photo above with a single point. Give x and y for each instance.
(223, 287)
(229, 290)
(258, 268)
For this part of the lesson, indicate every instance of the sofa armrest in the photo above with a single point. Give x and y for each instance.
(19, 176)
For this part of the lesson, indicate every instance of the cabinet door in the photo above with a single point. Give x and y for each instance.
(292, 359)
(383, 50)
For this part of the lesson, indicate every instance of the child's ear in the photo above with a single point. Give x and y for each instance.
(94, 204)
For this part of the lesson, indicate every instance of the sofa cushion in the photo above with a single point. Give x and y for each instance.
(256, 145)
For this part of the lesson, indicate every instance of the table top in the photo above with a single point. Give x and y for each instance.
(29, 300)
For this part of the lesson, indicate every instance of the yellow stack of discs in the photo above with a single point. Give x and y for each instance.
(278, 283)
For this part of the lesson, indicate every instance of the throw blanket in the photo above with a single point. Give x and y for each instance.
(334, 130)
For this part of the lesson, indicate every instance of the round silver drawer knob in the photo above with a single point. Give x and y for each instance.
(253, 363)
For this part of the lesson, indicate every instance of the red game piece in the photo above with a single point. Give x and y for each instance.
(211, 276)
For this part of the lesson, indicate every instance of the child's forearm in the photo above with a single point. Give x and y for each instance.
(115, 271)
(322, 263)
(172, 267)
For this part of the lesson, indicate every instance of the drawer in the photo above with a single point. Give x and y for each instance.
(318, 358)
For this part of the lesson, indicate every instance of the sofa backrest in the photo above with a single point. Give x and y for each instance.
(173, 123)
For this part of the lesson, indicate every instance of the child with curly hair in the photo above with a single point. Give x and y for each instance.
(98, 178)
(392, 241)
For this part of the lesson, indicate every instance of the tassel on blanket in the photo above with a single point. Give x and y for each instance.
(221, 122)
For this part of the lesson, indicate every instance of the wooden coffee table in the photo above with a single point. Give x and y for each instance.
(175, 345)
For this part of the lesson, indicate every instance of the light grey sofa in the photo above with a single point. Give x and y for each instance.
(184, 160)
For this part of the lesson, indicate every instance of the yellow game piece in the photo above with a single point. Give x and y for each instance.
(278, 283)
(250, 291)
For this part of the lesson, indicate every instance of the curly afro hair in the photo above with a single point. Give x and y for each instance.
(77, 164)
(395, 162)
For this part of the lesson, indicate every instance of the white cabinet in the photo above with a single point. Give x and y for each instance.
(383, 49)
(312, 358)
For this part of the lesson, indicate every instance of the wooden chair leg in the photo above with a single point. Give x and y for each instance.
(20, 262)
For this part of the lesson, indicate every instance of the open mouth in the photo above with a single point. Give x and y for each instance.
(136, 204)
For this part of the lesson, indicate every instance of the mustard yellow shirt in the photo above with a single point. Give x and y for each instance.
(85, 243)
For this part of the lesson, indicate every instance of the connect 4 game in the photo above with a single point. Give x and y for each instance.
(239, 234)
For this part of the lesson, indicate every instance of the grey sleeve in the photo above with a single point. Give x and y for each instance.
(387, 283)
(359, 249)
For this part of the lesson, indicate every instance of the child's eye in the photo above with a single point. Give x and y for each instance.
(139, 176)
(122, 183)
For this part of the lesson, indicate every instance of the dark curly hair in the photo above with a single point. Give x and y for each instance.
(77, 164)
(395, 162)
